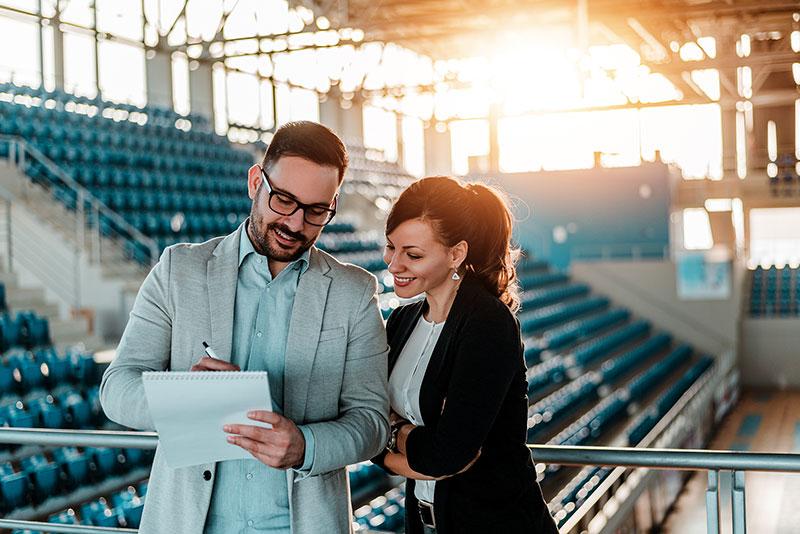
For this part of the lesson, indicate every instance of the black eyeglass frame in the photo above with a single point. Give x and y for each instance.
(272, 192)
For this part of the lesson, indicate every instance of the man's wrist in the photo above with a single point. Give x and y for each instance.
(307, 454)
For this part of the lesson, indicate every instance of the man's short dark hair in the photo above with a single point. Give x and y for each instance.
(307, 140)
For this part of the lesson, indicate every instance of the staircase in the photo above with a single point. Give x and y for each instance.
(55, 262)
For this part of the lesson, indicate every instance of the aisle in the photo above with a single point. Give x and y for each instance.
(763, 421)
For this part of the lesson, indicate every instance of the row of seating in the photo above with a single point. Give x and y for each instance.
(576, 330)
(593, 349)
(64, 406)
(560, 312)
(385, 513)
(615, 405)
(22, 371)
(231, 181)
(364, 475)
(62, 99)
(775, 292)
(576, 491)
(155, 117)
(23, 329)
(122, 510)
(38, 477)
(540, 297)
(648, 420)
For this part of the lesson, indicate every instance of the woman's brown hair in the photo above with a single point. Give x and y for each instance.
(472, 212)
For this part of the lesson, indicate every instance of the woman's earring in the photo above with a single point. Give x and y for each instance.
(455, 275)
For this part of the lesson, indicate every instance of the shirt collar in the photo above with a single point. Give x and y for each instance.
(246, 248)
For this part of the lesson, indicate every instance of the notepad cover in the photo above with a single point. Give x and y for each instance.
(189, 410)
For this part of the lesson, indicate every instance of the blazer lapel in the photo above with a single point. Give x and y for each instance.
(430, 403)
(304, 328)
(222, 275)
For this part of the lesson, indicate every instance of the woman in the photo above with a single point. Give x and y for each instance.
(457, 375)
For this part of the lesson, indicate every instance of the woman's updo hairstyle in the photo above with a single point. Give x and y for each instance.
(473, 212)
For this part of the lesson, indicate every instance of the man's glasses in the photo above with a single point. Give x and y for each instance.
(283, 203)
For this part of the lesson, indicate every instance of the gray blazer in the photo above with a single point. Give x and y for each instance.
(335, 378)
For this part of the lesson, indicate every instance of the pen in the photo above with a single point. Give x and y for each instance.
(209, 351)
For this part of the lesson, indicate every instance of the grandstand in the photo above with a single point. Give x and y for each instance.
(652, 165)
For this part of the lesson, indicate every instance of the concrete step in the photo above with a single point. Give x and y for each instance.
(9, 280)
(25, 297)
(89, 343)
(128, 270)
(68, 330)
(48, 310)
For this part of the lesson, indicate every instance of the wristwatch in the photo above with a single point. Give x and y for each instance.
(391, 446)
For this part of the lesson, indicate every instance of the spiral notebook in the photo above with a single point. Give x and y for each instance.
(190, 408)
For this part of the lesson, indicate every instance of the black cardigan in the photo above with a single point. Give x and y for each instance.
(473, 398)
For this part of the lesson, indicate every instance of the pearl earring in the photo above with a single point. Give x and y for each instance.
(455, 275)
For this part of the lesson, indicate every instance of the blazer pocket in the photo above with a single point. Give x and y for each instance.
(331, 333)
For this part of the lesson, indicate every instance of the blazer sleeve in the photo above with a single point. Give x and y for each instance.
(362, 428)
(391, 326)
(484, 366)
(145, 346)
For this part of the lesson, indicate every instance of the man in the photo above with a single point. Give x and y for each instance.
(265, 299)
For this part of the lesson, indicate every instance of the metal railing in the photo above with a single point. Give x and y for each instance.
(714, 462)
(100, 231)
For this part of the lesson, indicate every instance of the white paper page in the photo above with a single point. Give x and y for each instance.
(189, 410)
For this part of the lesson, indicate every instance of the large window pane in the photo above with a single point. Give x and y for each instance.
(120, 17)
(122, 73)
(79, 73)
(243, 98)
(380, 131)
(19, 52)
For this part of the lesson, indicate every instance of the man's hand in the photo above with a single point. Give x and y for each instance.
(212, 364)
(282, 446)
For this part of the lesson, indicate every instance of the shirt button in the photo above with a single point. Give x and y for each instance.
(250, 523)
(249, 476)
(258, 334)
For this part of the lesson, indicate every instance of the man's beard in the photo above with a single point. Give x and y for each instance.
(264, 241)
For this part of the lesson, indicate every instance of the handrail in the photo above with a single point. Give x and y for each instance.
(37, 526)
(712, 461)
(680, 459)
(79, 438)
(683, 459)
(82, 195)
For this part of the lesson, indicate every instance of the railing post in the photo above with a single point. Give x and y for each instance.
(9, 238)
(80, 237)
(738, 503)
(712, 503)
(95, 233)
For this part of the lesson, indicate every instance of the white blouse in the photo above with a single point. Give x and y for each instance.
(406, 381)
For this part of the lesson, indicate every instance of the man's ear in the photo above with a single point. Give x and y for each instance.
(254, 179)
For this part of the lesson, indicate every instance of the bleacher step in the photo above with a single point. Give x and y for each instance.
(68, 330)
(25, 297)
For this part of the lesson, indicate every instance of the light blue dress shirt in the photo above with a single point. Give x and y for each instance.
(249, 496)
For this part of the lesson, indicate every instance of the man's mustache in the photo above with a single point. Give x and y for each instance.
(285, 230)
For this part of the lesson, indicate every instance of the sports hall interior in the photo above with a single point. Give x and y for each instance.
(650, 151)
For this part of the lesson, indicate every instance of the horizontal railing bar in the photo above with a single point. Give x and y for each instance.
(15, 524)
(680, 459)
(79, 438)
